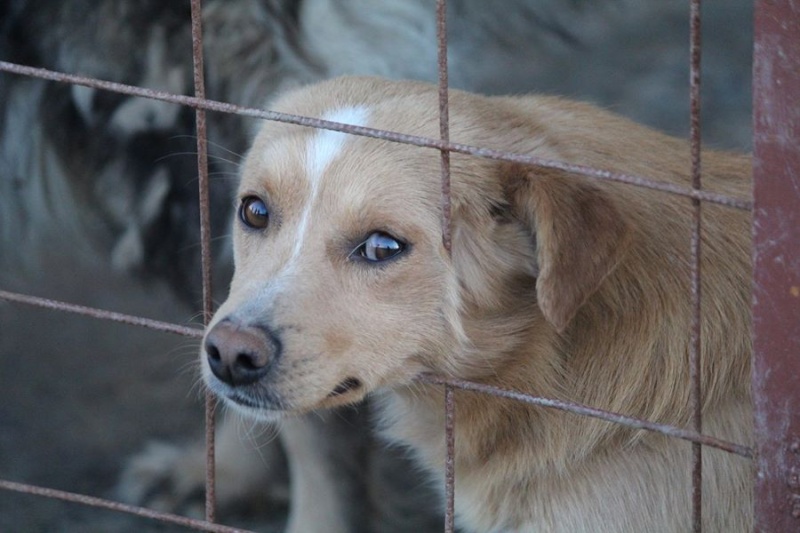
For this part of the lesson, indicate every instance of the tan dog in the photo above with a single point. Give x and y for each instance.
(559, 286)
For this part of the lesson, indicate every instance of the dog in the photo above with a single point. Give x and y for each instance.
(558, 286)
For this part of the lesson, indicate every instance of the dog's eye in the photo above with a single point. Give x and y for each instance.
(253, 212)
(378, 247)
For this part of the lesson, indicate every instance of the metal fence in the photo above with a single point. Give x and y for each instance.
(776, 253)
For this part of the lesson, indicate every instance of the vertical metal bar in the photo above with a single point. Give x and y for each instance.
(202, 157)
(696, 395)
(444, 118)
(205, 239)
(450, 467)
(776, 262)
(444, 133)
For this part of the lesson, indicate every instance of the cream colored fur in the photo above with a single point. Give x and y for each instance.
(559, 286)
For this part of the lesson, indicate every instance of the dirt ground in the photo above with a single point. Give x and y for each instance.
(79, 395)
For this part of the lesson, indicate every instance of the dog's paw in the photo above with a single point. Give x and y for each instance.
(165, 477)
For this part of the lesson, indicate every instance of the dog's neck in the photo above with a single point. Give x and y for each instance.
(551, 451)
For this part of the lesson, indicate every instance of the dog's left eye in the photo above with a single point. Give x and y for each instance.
(378, 247)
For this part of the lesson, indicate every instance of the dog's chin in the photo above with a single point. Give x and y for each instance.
(261, 407)
(260, 414)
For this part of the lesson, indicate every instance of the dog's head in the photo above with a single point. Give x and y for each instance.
(342, 282)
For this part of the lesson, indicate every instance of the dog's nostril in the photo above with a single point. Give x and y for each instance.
(249, 362)
(349, 384)
(212, 352)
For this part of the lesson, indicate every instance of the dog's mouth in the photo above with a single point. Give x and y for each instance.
(348, 385)
(265, 403)
(255, 398)
(245, 401)
(269, 403)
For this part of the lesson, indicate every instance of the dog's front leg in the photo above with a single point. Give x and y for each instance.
(328, 456)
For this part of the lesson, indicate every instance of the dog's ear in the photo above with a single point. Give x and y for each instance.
(579, 233)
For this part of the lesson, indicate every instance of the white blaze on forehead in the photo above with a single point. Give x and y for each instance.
(326, 145)
(322, 149)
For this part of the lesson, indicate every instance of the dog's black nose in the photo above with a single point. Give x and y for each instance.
(240, 355)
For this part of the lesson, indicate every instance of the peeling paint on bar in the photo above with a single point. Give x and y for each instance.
(776, 262)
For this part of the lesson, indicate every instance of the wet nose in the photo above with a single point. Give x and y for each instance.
(238, 354)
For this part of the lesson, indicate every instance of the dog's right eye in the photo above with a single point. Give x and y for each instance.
(253, 212)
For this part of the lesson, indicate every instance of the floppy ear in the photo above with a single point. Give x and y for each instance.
(579, 232)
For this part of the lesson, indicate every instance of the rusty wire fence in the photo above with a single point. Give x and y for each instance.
(776, 253)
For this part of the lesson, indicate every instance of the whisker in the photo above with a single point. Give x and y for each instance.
(211, 143)
(197, 245)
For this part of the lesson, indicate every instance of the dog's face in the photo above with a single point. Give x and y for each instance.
(342, 283)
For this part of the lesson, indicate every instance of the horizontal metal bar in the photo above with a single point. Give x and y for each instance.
(584, 410)
(101, 314)
(425, 142)
(102, 503)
